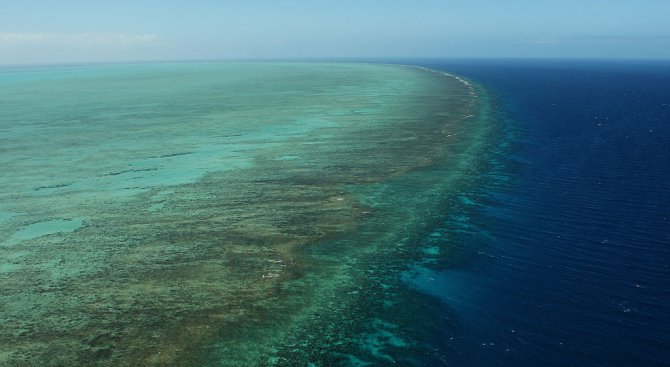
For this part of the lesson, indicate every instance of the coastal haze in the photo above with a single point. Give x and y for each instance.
(74, 31)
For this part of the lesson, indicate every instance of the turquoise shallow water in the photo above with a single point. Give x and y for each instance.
(224, 214)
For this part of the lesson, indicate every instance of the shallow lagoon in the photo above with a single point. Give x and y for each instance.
(226, 214)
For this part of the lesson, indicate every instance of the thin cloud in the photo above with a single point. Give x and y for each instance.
(546, 41)
(602, 37)
(626, 37)
(83, 39)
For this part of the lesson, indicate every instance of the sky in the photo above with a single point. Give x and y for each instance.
(62, 31)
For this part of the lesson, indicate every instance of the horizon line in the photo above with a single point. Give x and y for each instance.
(353, 59)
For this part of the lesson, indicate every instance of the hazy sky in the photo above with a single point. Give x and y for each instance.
(39, 31)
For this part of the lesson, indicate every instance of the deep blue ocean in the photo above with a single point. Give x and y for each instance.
(566, 261)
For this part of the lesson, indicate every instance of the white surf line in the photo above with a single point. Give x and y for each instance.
(471, 89)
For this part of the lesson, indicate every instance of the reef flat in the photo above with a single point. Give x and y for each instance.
(222, 213)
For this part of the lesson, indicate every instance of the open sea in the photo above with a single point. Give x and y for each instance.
(568, 261)
(458, 213)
